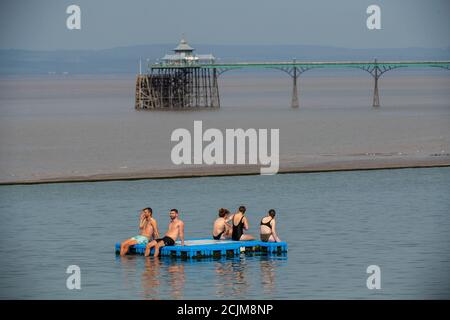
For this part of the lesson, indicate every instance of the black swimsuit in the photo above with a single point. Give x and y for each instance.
(168, 241)
(238, 230)
(218, 236)
(267, 224)
(266, 236)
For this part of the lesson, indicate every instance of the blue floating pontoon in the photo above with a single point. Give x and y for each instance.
(200, 248)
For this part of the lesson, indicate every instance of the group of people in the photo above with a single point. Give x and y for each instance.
(232, 226)
(226, 226)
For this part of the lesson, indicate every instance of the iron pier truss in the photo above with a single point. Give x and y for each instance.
(171, 86)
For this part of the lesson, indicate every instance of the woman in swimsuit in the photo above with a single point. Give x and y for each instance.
(240, 223)
(222, 230)
(268, 232)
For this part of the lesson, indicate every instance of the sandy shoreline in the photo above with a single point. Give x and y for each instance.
(236, 170)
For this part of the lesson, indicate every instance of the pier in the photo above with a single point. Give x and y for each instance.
(181, 81)
(185, 80)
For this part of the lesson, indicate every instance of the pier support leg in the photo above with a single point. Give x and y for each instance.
(294, 102)
(375, 72)
(376, 97)
(138, 94)
(216, 96)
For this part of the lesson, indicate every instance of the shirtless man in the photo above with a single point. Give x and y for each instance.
(176, 228)
(148, 228)
(221, 227)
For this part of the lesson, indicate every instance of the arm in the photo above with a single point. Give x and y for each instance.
(274, 232)
(182, 233)
(229, 219)
(142, 221)
(155, 229)
(245, 223)
(227, 227)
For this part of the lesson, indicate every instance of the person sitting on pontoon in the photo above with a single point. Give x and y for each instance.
(148, 228)
(240, 223)
(221, 228)
(176, 229)
(268, 232)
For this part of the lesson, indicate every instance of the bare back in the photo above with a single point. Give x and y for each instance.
(265, 229)
(219, 226)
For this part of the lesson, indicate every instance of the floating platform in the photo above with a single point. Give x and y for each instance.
(202, 248)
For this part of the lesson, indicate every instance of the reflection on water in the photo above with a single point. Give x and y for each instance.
(129, 264)
(268, 274)
(150, 278)
(231, 275)
(175, 271)
(155, 274)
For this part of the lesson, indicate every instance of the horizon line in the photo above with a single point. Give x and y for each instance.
(227, 45)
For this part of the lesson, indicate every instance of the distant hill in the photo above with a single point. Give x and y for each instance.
(124, 60)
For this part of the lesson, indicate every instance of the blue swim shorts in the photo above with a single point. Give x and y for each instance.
(140, 239)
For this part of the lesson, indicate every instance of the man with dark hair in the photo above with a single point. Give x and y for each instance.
(148, 228)
(176, 228)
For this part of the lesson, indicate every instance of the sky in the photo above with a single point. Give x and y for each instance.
(41, 24)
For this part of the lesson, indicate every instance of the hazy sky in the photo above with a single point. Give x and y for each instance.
(41, 24)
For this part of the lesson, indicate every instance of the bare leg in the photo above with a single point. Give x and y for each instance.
(124, 246)
(271, 239)
(246, 237)
(149, 246)
(157, 246)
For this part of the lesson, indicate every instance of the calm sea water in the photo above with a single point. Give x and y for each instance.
(336, 225)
